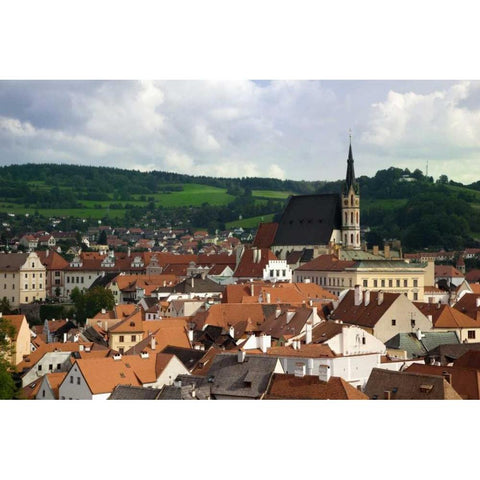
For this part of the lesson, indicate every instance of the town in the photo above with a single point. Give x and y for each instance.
(297, 308)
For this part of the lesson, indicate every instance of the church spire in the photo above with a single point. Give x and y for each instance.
(350, 180)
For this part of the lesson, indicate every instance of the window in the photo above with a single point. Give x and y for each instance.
(364, 341)
(26, 299)
(40, 286)
(271, 273)
(415, 282)
(397, 282)
(365, 283)
(26, 275)
(41, 276)
(13, 287)
(405, 283)
(471, 334)
(134, 338)
(394, 322)
(33, 275)
(82, 279)
(39, 368)
(57, 274)
(71, 378)
(26, 286)
(78, 380)
(43, 393)
(415, 296)
(33, 286)
(390, 283)
(50, 366)
(33, 264)
(59, 366)
(4, 286)
(57, 281)
(68, 279)
(383, 283)
(412, 323)
(375, 283)
(121, 338)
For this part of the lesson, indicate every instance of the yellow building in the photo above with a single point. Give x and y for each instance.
(22, 278)
(394, 276)
(127, 333)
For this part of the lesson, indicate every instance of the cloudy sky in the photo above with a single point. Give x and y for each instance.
(284, 129)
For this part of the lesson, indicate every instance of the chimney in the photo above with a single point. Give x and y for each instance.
(386, 251)
(47, 253)
(308, 333)
(190, 336)
(128, 252)
(430, 318)
(306, 280)
(267, 297)
(252, 289)
(231, 331)
(447, 376)
(296, 344)
(300, 370)
(324, 373)
(358, 295)
(278, 311)
(80, 348)
(241, 356)
(387, 395)
(290, 315)
(375, 249)
(106, 326)
(103, 311)
(65, 337)
(153, 343)
(477, 302)
(117, 356)
(380, 297)
(367, 297)
(264, 342)
(419, 334)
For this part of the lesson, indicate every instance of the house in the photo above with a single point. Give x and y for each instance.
(311, 387)
(28, 241)
(187, 387)
(395, 276)
(95, 379)
(446, 318)
(237, 376)
(126, 333)
(320, 360)
(23, 278)
(20, 340)
(392, 385)
(49, 386)
(448, 275)
(55, 266)
(447, 354)
(277, 271)
(252, 263)
(381, 313)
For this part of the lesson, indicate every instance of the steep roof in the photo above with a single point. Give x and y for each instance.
(470, 359)
(281, 325)
(247, 379)
(11, 262)
(52, 259)
(309, 220)
(466, 381)
(16, 322)
(309, 387)
(445, 316)
(408, 386)
(468, 305)
(419, 348)
(131, 324)
(253, 262)
(265, 235)
(312, 350)
(128, 392)
(447, 271)
(448, 353)
(364, 315)
(188, 356)
(54, 380)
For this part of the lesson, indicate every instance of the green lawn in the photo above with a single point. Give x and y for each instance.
(64, 212)
(251, 222)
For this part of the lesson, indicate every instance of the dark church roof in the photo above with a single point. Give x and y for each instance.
(350, 180)
(309, 220)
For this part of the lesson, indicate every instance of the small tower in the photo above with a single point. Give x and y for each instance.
(351, 208)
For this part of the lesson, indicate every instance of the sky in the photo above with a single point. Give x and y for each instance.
(287, 129)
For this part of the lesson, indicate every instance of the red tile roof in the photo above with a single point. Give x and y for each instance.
(265, 235)
(250, 267)
(309, 387)
(447, 271)
(327, 263)
(444, 316)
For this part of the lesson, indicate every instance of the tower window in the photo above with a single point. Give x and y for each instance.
(351, 199)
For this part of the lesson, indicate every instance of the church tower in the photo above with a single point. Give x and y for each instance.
(351, 208)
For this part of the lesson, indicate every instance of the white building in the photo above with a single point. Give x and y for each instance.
(277, 271)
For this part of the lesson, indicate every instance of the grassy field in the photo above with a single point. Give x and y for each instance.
(270, 194)
(251, 222)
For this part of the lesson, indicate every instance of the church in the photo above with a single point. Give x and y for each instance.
(312, 225)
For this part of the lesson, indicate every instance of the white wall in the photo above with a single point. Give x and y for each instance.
(50, 358)
(75, 391)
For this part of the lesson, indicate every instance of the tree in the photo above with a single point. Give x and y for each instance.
(89, 303)
(7, 350)
(5, 306)
(102, 238)
(443, 179)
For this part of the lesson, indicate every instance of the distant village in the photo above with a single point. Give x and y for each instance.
(298, 309)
